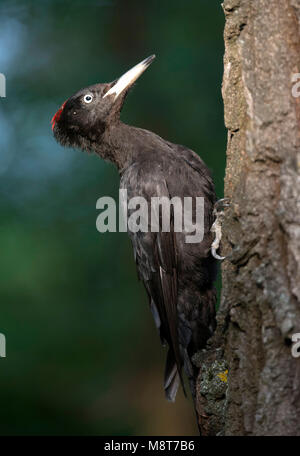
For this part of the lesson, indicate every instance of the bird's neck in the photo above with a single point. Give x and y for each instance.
(119, 144)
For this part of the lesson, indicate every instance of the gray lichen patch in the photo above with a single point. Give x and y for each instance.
(212, 388)
(214, 379)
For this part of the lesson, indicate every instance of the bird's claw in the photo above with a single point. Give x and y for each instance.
(220, 205)
(217, 226)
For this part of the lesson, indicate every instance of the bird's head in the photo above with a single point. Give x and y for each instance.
(84, 117)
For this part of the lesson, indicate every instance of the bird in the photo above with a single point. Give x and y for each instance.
(178, 276)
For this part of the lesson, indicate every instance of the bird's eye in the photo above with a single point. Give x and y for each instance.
(88, 98)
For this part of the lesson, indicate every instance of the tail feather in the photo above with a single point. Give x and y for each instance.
(172, 377)
(172, 388)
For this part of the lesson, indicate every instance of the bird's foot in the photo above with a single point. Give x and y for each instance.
(216, 228)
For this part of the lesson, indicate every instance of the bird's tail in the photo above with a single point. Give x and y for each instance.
(172, 377)
(192, 374)
(172, 380)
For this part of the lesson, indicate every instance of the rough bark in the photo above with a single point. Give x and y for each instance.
(260, 304)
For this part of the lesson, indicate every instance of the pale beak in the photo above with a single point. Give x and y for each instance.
(129, 77)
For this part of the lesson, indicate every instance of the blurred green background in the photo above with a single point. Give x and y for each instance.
(83, 355)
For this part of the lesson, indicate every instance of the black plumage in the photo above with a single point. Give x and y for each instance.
(178, 276)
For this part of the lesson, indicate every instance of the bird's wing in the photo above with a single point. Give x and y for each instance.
(204, 177)
(156, 259)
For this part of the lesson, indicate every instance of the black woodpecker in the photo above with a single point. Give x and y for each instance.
(178, 276)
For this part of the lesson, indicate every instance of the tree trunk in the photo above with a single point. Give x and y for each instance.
(259, 310)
